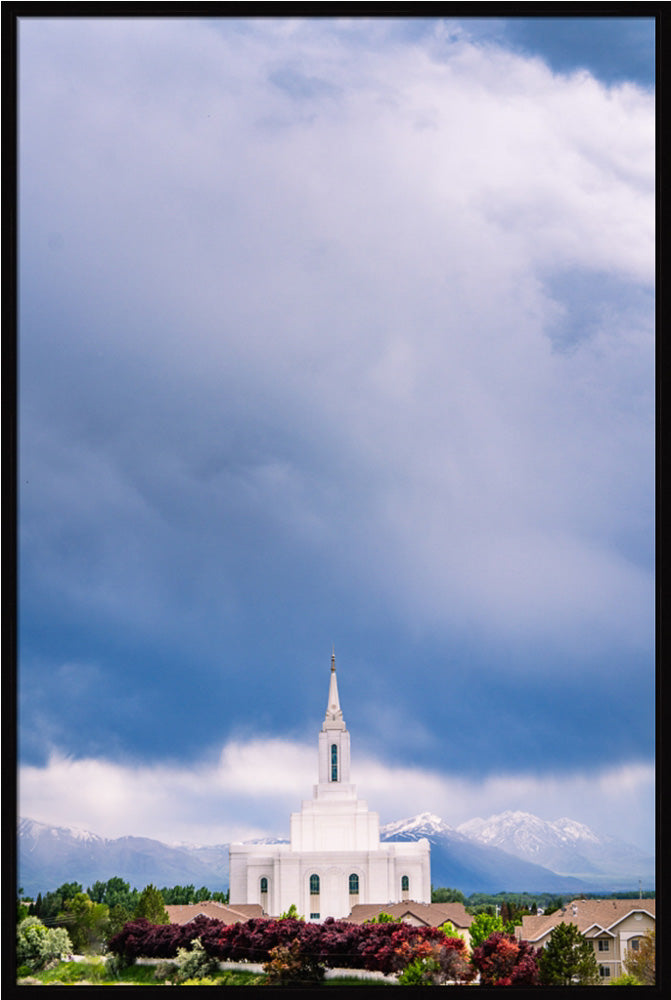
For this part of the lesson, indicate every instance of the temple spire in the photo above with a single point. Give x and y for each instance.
(333, 719)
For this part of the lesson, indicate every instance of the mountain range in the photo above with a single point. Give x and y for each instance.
(513, 851)
(516, 852)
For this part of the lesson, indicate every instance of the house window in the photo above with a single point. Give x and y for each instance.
(334, 762)
(354, 885)
(634, 944)
(314, 885)
(604, 945)
(604, 971)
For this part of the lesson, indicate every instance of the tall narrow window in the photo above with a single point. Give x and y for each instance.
(405, 886)
(354, 885)
(264, 884)
(334, 762)
(314, 885)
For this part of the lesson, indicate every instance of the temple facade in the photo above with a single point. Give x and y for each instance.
(335, 858)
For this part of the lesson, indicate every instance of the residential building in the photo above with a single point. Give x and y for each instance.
(614, 926)
(335, 859)
(418, 915)
(184, 914)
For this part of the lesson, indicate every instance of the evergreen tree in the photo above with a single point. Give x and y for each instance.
(150, 906)
(568, 959)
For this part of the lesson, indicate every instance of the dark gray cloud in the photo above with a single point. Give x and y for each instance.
(332, 341)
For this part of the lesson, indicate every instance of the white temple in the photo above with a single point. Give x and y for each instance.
(335, 858)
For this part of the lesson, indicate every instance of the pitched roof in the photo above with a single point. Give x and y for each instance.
(592, 916)
(430, 914)
(179, 914)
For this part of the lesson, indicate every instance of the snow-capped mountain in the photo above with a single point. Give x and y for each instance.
(48, 856)
(564, 845)
(426, 824)
(462, 863)
(514, 851)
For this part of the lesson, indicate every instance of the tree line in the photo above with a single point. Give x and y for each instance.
(512, 906)
(94, 916)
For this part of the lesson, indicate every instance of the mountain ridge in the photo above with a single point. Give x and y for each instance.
(506, 852)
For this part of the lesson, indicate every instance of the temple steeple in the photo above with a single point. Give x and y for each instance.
(334, 747)
(333, 718)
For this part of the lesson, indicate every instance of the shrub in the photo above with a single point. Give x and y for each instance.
(113, 966)
(291, 965)
(431, 963)
(166, 970)
(195, 962)
(504, 961)
(419, 972)
(37, 945)
(383, 918)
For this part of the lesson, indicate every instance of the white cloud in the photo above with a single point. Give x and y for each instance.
(255, 784)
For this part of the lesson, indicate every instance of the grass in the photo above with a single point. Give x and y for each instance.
(95, 973)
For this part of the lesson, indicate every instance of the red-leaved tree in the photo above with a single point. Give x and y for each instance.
(502, 960)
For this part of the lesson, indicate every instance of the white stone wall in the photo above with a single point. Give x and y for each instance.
(288, 873)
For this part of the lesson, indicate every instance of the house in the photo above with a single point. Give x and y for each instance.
(614, 926)
(417, 914)
(218, 911)
(334, 859)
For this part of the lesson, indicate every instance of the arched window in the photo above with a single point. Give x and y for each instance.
(405, 884)
(334, 762)
(354, 885)
(264, 884)
(314, 885)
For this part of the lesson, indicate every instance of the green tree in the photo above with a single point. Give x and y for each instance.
(53, 902)
(114, 892)
(87, 923)
(36, 944)
(118, 917)
(450, 931)
(291, 914)
(568, 959)
(641, 963)
(383, 918)
(150, 906)
(447, 896)
(482, 925)
(22, 907)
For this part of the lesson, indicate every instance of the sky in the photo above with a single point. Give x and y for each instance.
(335, 332)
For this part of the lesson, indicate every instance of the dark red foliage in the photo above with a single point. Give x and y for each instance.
(502, 960)
(333, 943)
